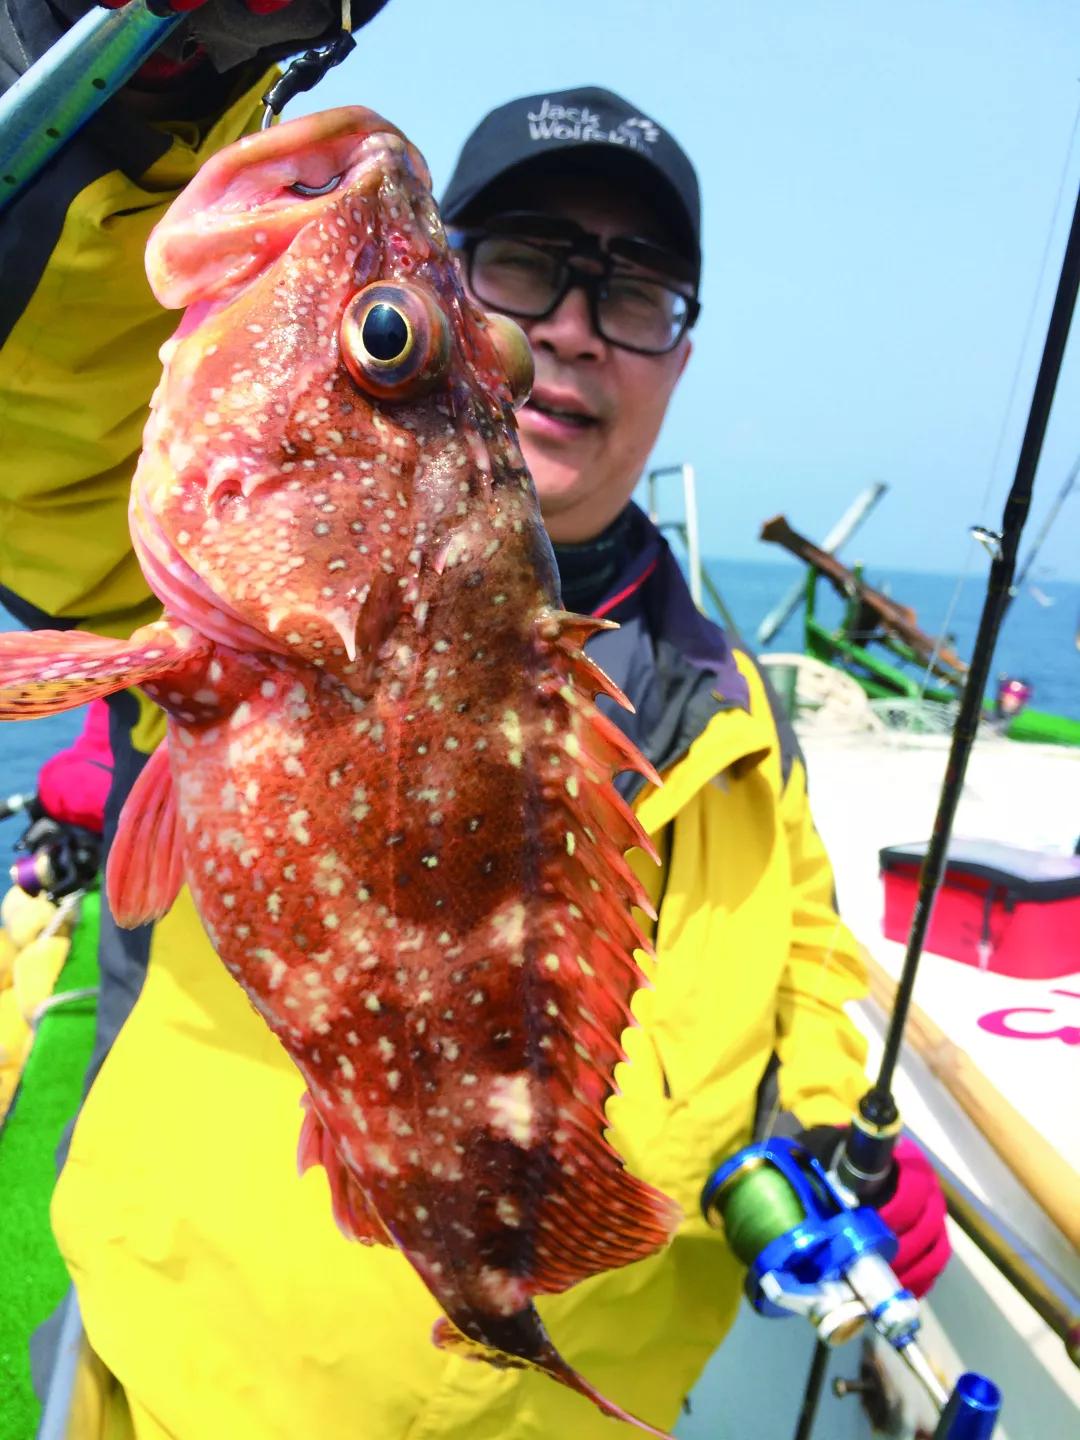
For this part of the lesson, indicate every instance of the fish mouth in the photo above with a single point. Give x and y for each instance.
(249, 203)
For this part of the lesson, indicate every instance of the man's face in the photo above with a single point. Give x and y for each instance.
(596, 409)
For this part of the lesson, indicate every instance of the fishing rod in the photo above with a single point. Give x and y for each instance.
(811, 1244)
(51, 101)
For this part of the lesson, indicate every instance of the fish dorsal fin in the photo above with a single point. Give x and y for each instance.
(595, 1215)
(146, 862)
(355, 1218)
(44, 671)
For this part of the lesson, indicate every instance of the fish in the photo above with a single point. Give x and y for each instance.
(386, 779)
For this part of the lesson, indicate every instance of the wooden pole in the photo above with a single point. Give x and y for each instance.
(900, 619)
(1050, 1180)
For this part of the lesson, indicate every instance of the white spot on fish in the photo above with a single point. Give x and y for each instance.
(381, 1158)
(505, 1293)
(508, 1211)
(511, 1108)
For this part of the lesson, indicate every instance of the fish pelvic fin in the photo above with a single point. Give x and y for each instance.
(526, 1327)
(356, 1219)
(146, 863)
(45, 671)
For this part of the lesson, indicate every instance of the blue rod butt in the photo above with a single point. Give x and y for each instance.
(972, 1411)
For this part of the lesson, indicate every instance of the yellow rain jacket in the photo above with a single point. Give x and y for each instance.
(213, 1282)
(219, 1299)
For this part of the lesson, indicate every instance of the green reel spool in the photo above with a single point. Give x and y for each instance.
(757, 1206)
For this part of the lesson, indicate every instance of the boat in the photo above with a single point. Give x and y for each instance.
(916, 677)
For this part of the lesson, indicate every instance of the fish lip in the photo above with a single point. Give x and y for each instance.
(548, 397)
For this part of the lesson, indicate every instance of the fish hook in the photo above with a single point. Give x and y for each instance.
(304, 72)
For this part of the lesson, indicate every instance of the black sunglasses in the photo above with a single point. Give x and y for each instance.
(641, 296)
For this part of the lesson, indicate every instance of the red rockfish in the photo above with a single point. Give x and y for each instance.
(385, 779)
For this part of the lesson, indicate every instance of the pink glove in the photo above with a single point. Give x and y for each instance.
(916, 1214)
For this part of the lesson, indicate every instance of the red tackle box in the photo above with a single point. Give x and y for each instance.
(1013, 911)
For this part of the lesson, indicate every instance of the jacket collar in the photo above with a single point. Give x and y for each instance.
(678, 668)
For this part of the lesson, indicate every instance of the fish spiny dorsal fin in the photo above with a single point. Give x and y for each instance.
(560, 625)
(597, 1216)
(594, 802)
(591, 678)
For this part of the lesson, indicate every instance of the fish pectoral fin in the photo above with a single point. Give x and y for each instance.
(146, 862)
(43, 671)
(356, 1219)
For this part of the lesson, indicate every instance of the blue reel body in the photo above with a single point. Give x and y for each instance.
(832, 1267)
(825, 1245)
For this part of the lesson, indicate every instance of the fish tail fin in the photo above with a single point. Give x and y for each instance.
(44, 671)
(526, 1330)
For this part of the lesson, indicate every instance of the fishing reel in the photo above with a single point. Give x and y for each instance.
(57, 858)
(810, 1249)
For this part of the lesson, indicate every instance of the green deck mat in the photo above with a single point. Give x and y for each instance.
(33, 1279)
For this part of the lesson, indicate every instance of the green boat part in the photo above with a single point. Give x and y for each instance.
(33, 1278)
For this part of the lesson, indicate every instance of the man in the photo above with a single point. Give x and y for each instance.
(218, 1297)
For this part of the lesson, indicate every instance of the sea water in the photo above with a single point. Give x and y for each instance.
(1037, 643)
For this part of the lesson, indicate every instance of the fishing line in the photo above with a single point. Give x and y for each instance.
(1051, 515)
(758, 1210)
(1026, 340)
(1010, 402)
(878, 1107)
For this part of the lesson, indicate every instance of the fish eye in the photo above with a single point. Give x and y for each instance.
(386, 334)
(395, 341)
(515, 355)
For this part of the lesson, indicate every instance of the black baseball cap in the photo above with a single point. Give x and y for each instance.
(585, 130)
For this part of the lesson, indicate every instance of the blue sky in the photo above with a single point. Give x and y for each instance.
(879, 184)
